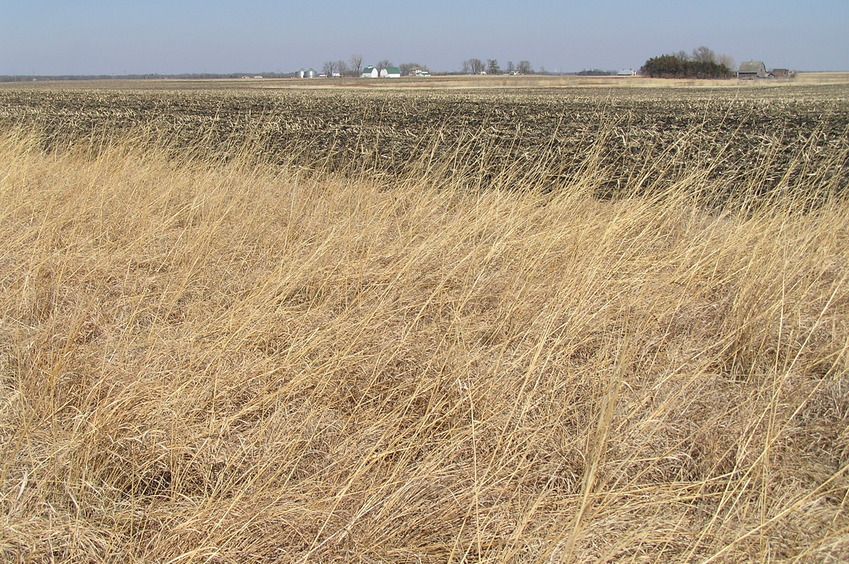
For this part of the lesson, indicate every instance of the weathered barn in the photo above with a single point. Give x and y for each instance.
(780, 73)
(752, 69)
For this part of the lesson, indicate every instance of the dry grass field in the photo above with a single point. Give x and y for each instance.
(512, 345)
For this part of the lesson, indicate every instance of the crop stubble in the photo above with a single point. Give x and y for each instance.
(741, 137)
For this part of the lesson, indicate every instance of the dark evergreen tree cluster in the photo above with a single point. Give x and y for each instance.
(677, 66)
(594, 72)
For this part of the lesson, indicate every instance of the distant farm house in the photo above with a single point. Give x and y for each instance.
(752, 69)
(370, 72)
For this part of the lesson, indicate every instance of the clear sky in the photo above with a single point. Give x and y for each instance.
(52, 37)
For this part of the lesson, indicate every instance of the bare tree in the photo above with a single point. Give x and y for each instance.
(356, 64)
(524, 67)
(704, 55)
(328, 68)
(342, 68)
(473, 66)
(492, 66)
(510, 68)
(727, 60)
(384, 64)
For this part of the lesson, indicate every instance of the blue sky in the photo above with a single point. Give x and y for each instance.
(49, 37)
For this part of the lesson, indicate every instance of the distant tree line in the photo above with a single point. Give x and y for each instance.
(701, 63)
(353, 67)
(491, 66)
(150, 76)
(595, 72)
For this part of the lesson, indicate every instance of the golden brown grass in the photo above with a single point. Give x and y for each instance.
(232, 363)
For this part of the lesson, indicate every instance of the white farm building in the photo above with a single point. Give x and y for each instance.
(390, 72)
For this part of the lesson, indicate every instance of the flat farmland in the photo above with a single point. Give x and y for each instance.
(740, 135)
(458, 320)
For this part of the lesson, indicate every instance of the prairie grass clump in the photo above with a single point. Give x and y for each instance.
(209, 360)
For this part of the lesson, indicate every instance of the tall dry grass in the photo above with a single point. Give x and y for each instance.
(228, 362)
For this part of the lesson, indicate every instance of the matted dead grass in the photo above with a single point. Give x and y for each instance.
(232, 363)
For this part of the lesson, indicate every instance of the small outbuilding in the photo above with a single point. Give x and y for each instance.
(370, 72)
(752, 69)
(390, 72)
